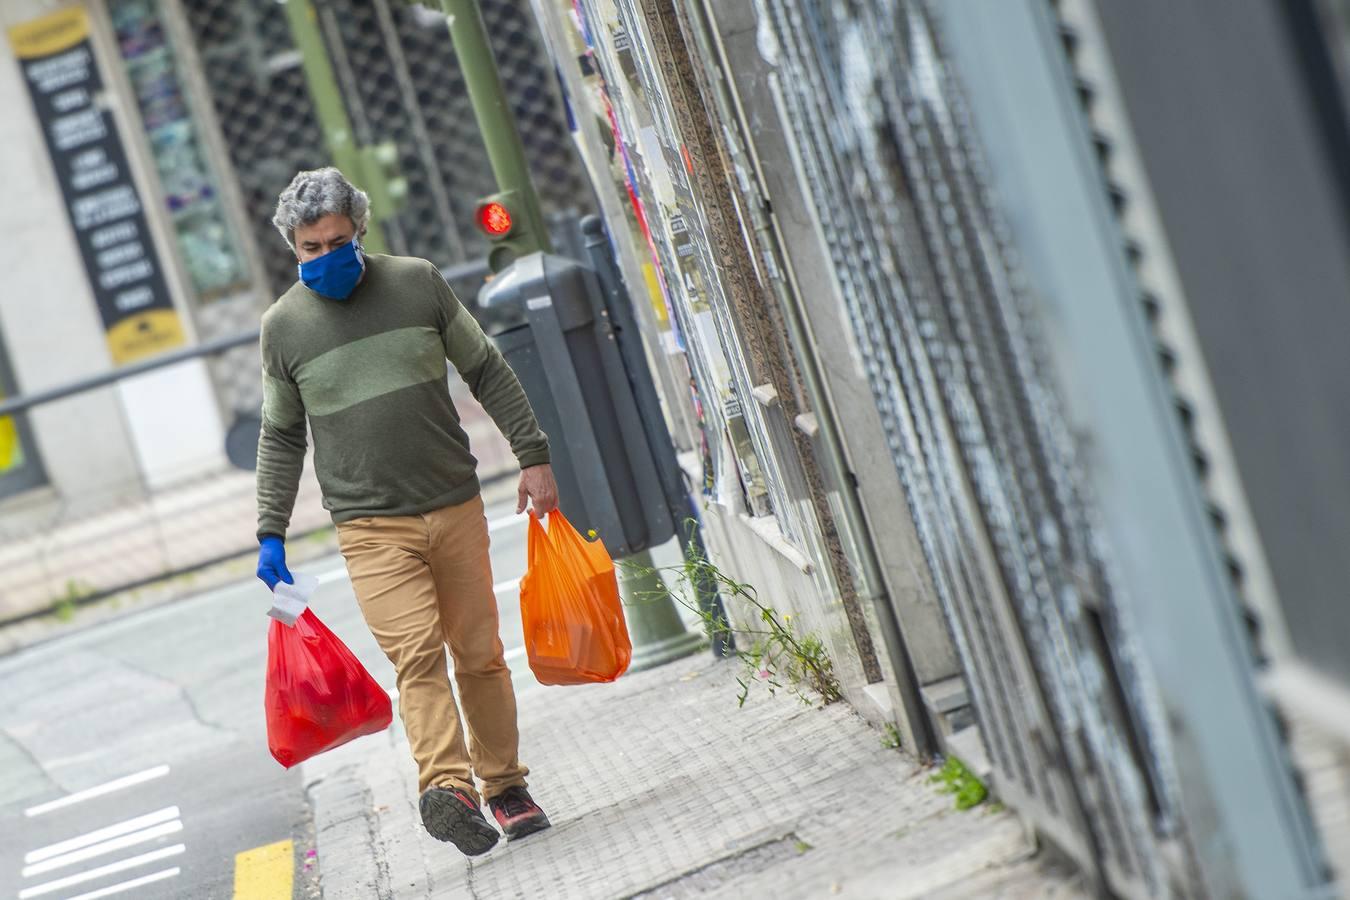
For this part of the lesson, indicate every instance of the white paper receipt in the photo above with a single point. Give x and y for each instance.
(290, 600)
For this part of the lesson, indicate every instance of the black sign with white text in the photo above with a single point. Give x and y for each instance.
(105, 209)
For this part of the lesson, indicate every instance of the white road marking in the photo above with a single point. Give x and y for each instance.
(511, 584)
(118, 843)
(498, 524)
(511, 521)
(166, 814)
(98, 791)
(332, 575)
(128, 885)
(513, 654)
(122, 865)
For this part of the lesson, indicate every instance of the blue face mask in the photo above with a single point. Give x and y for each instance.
(335, 274)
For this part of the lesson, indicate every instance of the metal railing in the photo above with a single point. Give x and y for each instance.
(69, 547)
(24, 402)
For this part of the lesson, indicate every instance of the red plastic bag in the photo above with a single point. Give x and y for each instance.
(319, 696)
(569, 607)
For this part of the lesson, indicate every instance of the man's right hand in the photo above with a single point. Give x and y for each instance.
(272, 562)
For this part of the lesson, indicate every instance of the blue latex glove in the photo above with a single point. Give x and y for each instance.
(272, 562)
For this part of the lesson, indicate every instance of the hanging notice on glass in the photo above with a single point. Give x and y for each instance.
(58, 65)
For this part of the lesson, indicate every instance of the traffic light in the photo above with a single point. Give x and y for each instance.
(495, 219)
(502, 219)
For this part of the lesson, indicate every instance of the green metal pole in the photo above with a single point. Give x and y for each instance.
(492, 109)
(328, 104)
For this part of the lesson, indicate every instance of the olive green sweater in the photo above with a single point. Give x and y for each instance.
(370, 374)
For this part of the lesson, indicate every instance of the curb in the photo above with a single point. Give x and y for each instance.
(340, 801)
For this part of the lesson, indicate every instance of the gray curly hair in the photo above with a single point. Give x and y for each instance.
(316, 193)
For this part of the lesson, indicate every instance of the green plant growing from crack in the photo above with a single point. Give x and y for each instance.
(890, 737)
(63, 606)
(778, 657)
(956, 779)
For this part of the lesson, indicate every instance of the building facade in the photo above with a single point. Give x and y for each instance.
(935, 289)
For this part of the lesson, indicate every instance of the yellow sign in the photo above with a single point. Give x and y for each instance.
(654, 294)
(9, 445)
(50, 34)
(145, 334)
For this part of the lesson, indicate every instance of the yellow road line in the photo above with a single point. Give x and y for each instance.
(265, 873)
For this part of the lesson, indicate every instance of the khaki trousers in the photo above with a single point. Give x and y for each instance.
(424, 582)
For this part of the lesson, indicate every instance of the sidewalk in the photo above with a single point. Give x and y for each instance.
(660, 787)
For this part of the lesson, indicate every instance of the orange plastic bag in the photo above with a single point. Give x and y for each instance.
(569, 607)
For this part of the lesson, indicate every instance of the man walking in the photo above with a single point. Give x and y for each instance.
(359, 346)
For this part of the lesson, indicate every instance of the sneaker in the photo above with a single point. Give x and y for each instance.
(517, 813)
(451, 814)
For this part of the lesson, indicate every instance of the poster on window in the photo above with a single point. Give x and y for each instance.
(57, 59)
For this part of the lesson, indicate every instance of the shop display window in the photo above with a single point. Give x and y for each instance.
(206, 242)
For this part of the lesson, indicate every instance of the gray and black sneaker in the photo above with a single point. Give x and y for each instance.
(517, 813)
(451, 814)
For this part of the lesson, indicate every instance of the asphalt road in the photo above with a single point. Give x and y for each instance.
(133, 755)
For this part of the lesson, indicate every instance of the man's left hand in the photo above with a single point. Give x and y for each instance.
(539, 489)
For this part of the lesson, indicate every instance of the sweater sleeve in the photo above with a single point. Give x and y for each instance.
(488, 376)
(281, 443)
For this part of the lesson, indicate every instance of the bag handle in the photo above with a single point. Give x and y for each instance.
(536, 542)
(556, 519)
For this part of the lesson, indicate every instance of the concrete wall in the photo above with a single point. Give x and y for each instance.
(752, 551)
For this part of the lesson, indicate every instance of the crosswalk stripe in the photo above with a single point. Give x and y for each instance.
(116, 784)
(166, 814)
(134, 883)
(331, 575)
(265, 873)
(117, 843)
(122, 865)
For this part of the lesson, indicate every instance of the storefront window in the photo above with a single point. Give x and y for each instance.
(746, 457)
(206, 242)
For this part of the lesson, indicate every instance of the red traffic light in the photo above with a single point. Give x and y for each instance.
(494, 219)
